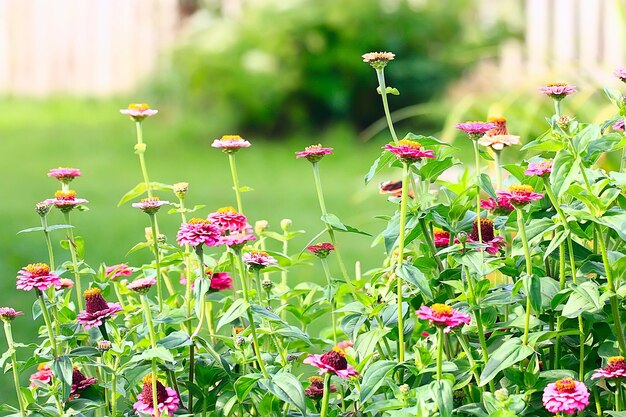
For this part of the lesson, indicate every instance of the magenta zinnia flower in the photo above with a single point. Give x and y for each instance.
(443, 315)
(441, 237)
(502, 207)
(621, 74)
(315, 390)
(230, 143)
(138, 111)
(220, 280)
(615, 368)
(36, 276)
(565, 396)
(150, 205)
(237, 240)
(558, 91)
(475, 130)
(257, 259)
(64, 175)
(333, 362)
(321, 250)
(65, 200)
(80, 381)
(141, 285)
(198, 232)
(97, 310)
(8, 314)
(540, 169)
(43, 375)
(314, 153)
(119, 270)
(229, 220)
(167, 399)
(409, 151)
(520, 194)
(488, 236)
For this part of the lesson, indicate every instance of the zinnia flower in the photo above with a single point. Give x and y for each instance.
(314, 153)
(345, 344)
(619, 125)
(36, 276)
(321, 250)
(615, 368)
(488, 236)
(333, 362)
(141, 285)
(257, 259)
(43, 208)
(502, 207)
(230, 143)
(394, 188)
(520, 194)
(409, 151)
(442, 238)
(220, 280)
(475, 130)
(237, 240)
(65, 200)
(540, 169)
(8, 314)
(229, 220)
(621, 74)
(64, 175)
(43, 375)
(119, 270)
(498, 137)
(64, 283)
(378, 60)
(80, 381)
(565, 396)
(315, 390)
(138, 111)
(150, 205)
(558, 91)
(443, 315)
(166, 397)
(97, 310)
(198, 232)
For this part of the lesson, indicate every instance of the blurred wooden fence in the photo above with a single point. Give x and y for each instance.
(93, 47)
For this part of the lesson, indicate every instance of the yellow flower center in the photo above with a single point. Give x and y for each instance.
(38, 269)
(148, 379)
(258, 252)
(339, 351)
(231, 137)
(410, 143)
(150, 199)
(557, 84)
(313, 147)
(196, 220)
(497, 119)
(227, 209)
(92, 292)
(138, 106)
(614, 360)
(521, 189)
(565, 385)
(441, 310)
(315, 380)
(41, 366)
(65, 195)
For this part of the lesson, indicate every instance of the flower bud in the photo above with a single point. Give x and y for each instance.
(502, 394)
(285, 224)
(462, 236)
(260, 226)
(240, 340)
(43, 208)
(267, 284)
(404, 389)
(180, 189)
(104, 345)
(564, 122)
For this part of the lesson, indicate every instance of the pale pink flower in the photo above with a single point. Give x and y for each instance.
(619, 125)
(150, 205)
(36, 276)
(565, 396)
(345, 344)
(43, 375)
(141, 285)
(314, 153)
(230, 143)
(621, 74)
(237, 240)
(441, 238)
(119, 270)
(378, 60)
(315, 390)
(197, 232)
(64, 283)
(475, 130)
(443, 315)
(558, 91)
(97, 310)
(8, 314)
(167, 399)
(138, 111)
(64, 175)
(615, 368)
(256, 259)
(229, 220)
(520, 194)
(65, 200)
(541, 169)
(494, 243)
(80, 381)
(321, 250)
(409, 151)
(502, 207)
(333, 362)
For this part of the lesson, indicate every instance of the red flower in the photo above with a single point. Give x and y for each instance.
(314, 153)
(321, 250)
(502, 207)
(442, 238)
(315, 390)
(44, 375)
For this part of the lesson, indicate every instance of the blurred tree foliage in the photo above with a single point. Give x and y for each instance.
(293, 65)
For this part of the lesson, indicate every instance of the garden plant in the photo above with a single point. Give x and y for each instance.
(501, 294)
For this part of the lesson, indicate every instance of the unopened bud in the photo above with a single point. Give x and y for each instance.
(260, 226)
(240, 340)
(502, 394)
(104, 345)
(462, 236)
(267, 284)
(180, 189)
(43, 208)
(285, 224)
(564, 122)
(404, 389)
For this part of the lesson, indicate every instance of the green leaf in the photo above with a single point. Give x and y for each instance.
(157, 353)
(366, 342)
(374, 377)
(175, 340)
(564, 170)
(244, 384)
(335, 223)
(582, 140)
(486, 186)
(432, 169)
(288, 388)
(441, 391)
(382, 161)
(236, 310)
(532, 287)
(616, 222)
(62, 369)
(507, 355)
(133, 194)
(414, 276)
(201, 288)
(585, 298)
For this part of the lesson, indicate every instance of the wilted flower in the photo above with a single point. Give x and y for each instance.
(64, 175)
(520, 194)
(150, 205)
(498, 137)
(97, 310)
(36, 276)
(540, 169)
(621, 74)
(378, 60)
(615, 368)
(256, 259)
(230, 143)
(314, 153)
(138, 111)
(65, 200)
(565, 396)
(8, 314)
(443, 315)
(502, 207)
(80, 381)
(166, 397)
(198, 232)
(333, 362)
(229, 220)
(409, 151)
(488, 236)
(141, 285)
(43, 375)
(394, 188)
(558, 91)
(442, 238)
(315, 390)
(321, 250)
(119, 270)
(475, 130)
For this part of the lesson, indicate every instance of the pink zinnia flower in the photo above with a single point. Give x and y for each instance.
(621, 74)
(520, 194)
(502, 207)
(97, 310)
(409, 151)
(119, 270)
(229, 220)
(540, 169)
(150, 205)
(345, 344)
(36, 276)
(565, 396)
(321, 250)
(220, 280)
(475, 130)
(314, 153)
(619, 125)
(43, 208)
(443, 315)
(237, 240)
(9, 314)
(198, 232)
(498, 137)
(64, 175)
(65, 200)
(558, 91)
(43, 375)
(80, 381)
(138, 111)
(488, 236)
(167, 399)
(333, 362)
(141, 285)
(64, 283)
(315, 390)
(615, 368)
(442, 238)
(378, 60)
(257, 259)
(230, 143)
(394, 188)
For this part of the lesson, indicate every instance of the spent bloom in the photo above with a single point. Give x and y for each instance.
(80, 381)
(97, 310)
(314, 153)
(501, 207)
(409, 151)
(565, 396)
(333, 362)
(558, 91)
(475, 130)
(520, 194)
(36, 276)
(119, 270)
(65, 200)
(256, 259)
(378, 60)
(138, 111)
(141, 285)
(441, 237)
(42, 376)
(493, 242)
(443, 315)
(621, 74)
(198, 232)
(615, 368)
(315, 390)
(394, 188)
(8, 314)
(321, 250)
(150, 205)
(230, 143)
(166, 397)
(498, 137)
(541, 169)
(64, 175)
(229, 220)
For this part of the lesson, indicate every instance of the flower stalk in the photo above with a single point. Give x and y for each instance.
(16, 380)
(233, 171)
(46, 318)
(400, 257)
(148, 315)
(73, 254)
(157, 260)
(529, 270)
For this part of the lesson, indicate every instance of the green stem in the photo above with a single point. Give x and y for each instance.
(16, 378)
(468, 353)
(140, 149)
(119, 296)
(559, 319)
(329, 281)
(324, 411)
(529, 270)
(477, 316)
(380, 74)
(478, 209)
(283, 279)
(46, 318)
(200, 254)
(146, 310)
(52, 290)
(429, 241)
(157, 260)
(400, 257)
(596, 398)
(623, 153)
(114, 387)
(497, 155)
(233, 171)
(439, 353)
(72, 246)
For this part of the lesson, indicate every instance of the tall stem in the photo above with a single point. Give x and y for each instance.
(400, 257)
(16, 378)
(497, 155)
(233, 171)
(329, 281)
(480, 328)
(529, 269)
(380, 74)
(44, 225)
(46, 318)
(146, 310)
(478, 209)
(72, 246)
(324, 411)
(283, 278)
(468, 353)
(559, 320)
(200, 254)
(439, 353)
(157, 260)
(429, 241)
(140, 149)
